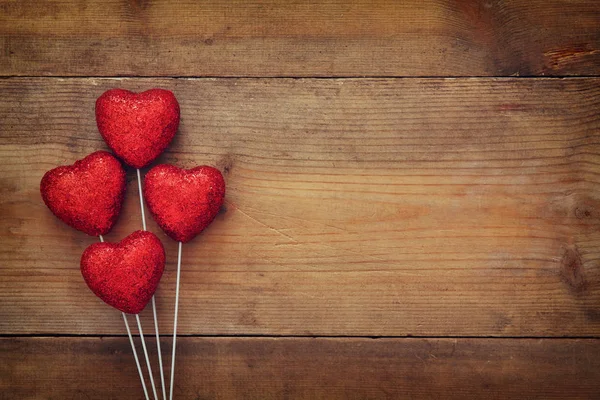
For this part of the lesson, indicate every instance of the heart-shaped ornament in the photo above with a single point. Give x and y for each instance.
(137, 127)
(87, 195)
(184, 202)
(125, 275)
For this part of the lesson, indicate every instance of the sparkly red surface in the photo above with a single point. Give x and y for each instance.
(184, 202)
(87, 195)
(125, 275)
(137, 127)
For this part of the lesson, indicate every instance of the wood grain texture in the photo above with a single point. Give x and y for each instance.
(354, 207)
(298, 38)
(280, 368)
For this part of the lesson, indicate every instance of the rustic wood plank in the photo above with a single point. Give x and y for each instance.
(354, 207)
(297, 38)
(280, 368)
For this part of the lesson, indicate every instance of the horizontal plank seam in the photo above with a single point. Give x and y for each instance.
(191, 77)
(258, 336)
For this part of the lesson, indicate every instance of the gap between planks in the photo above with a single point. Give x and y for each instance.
(274, 336)
(184, 77)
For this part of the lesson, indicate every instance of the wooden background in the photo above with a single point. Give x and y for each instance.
(413, 202)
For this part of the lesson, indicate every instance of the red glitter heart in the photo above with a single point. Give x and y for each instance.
(88, 194)
(137, 127)
(184, 202)
(125, 275)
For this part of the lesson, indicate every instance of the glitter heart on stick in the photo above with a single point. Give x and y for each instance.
(139, 127)
(183, 203)
(87, 195)
(125, 275)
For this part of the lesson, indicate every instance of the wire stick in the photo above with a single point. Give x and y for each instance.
(162, 375)
(175, 322)
(137, 318)
(141, 199)
(160, 363)
(137, 361)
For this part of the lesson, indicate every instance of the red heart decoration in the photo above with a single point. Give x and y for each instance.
(184, 202)
(125, 275)
(137, 127)
(87, 195)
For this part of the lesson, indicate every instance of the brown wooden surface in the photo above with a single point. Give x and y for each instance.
(360, 211)
(286, 368)
(298, 38)
(422, 207)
